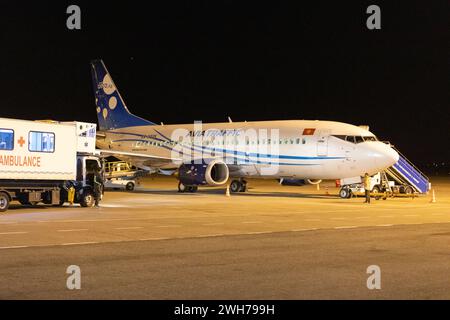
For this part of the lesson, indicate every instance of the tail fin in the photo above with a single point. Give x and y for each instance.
(112, 112)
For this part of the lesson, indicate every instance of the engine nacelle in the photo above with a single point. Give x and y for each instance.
(214, 173)
(313, 181)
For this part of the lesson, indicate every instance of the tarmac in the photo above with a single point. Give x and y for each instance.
(273, 242)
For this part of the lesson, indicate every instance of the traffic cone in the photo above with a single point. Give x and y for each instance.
(433, 197)
(227, 192)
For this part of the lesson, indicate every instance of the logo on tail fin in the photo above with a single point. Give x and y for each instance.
(112, 112)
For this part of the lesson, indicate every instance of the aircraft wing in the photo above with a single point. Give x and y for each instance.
(141, 159)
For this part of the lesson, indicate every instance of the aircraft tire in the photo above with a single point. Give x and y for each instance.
(235, 186)
(243, 186)
(181, 187)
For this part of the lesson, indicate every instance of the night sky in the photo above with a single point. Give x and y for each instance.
(180, 61)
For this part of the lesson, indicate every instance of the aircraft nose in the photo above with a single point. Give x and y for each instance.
(377, 156)
(386, 156)
(392, 155)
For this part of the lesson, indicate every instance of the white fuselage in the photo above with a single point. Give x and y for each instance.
(301, 149)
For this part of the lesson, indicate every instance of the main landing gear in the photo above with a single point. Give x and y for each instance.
(238, 186)
(183, 188)
(235, 186)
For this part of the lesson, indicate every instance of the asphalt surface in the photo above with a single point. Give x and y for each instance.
(274, 242)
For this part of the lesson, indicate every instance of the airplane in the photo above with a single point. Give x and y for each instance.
(212, 154)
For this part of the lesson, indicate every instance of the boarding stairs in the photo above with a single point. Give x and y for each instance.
(405, 173)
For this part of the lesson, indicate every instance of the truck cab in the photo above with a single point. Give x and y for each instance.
(90, 173)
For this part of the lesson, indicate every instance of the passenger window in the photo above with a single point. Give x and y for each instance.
(6, 139)
(359, 139)
(41, 141)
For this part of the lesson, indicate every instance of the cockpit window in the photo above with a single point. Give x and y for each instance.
(370, 138)
(350, 139)
(355, 139)
(339, 137)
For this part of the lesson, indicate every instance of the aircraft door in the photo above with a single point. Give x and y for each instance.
(322, 146)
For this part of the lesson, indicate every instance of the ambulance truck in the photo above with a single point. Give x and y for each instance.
(47, 161)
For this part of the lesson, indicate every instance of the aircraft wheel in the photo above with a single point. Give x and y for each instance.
(235, 186)
(243, 186)
(181, 187)
(192, 189)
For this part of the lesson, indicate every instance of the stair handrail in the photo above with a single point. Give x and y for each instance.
(409, 162)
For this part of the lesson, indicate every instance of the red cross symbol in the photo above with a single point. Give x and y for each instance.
(21, 141)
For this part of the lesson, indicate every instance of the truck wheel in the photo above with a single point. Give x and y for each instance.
(87, 199)
(408, 190)
(4, 202)
(129, 186)
(345, 193)
(376, 189)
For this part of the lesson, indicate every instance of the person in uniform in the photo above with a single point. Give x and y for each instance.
(367, 187)
(98, 185)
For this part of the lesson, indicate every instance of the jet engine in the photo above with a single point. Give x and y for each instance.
(213, 173)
